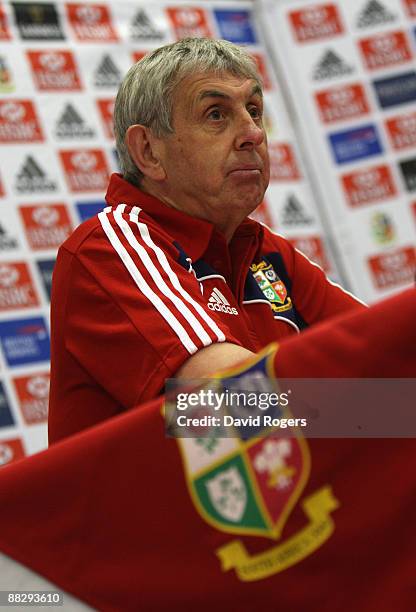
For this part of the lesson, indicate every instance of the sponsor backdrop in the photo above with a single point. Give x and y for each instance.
(348, 68)
(60, 66)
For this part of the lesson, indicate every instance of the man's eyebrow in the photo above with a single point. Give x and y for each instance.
(257, 91)
(214, 93)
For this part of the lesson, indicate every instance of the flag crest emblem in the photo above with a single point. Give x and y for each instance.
(271, 286)
(248, 485)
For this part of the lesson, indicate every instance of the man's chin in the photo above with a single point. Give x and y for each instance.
(250, 198)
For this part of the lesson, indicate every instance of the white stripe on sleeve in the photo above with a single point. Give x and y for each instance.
(176, 326)
(156, 276)
(144, 232)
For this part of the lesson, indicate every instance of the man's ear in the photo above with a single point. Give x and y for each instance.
(143, 149)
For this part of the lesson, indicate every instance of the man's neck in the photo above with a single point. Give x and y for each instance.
(226, 229)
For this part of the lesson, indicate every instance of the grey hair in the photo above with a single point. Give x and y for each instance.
(145, 96)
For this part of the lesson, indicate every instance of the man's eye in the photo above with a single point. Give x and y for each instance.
(255, 112)
(215, 114)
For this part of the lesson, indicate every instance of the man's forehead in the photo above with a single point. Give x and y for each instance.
(197, 87)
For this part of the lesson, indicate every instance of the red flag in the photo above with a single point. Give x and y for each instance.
(114, 516)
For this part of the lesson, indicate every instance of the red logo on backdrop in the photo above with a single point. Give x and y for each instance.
(319, 21)
(33, 394)
(46, 226)
(313, 248)
(2, 192)
(18, 122)
(54, 70)
(368, 185)
(11, 450)
(91, 22)
(402, 130)
(4, 27)
(85, 169)
(411, 7)
(106, 108)
(343, 102)
(262, 214)
(393, 268)
(261, 67)
(385, 50)
(189, 22)
(138, 55)
(16, 287)
(283, 165)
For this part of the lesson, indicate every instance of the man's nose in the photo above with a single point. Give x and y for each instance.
(250, 133)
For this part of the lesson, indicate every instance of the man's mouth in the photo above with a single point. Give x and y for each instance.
(246, 170)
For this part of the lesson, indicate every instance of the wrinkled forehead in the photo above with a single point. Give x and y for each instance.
(195, 88)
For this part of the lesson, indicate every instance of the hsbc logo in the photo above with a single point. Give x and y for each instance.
(85, 170)
(54, 70)
(12, 111)
(385, 50)
(407, 124)
(16, 287)
(316, 22)
(370, 185)
(52, 61)
(106, 109)
(46, 216)
(38, 386)
(386, 44)
(9, 275)
(393, 261)
(89, 15)
(340, 96)
(4, 27)
(402, 131)
(219, 302)
(91, 22)
(411, 7)
(393, 269)
(188, 18)
(342, 102)
(10, 450)
(109, 107)
(33, 394)
(367, 179)
(18, 122)
(6, 454)
(84, 160)
(262, 69)
(189, 22)
(46, 226)
(314, 16)
(283, 165)
(313, 248)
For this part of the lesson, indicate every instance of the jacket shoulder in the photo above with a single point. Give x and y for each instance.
(105, 222)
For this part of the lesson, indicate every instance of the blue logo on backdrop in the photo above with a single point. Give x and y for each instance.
(86, 210)
(24, 341)
(45, 268)
(396, 90)
(350, 145)
(6, 417)
(236, 26)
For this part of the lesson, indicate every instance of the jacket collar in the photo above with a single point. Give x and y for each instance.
(193, 234)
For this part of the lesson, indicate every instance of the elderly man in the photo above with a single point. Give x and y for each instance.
(173, 278)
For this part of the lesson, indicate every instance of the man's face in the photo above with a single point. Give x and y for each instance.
(216, 162)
